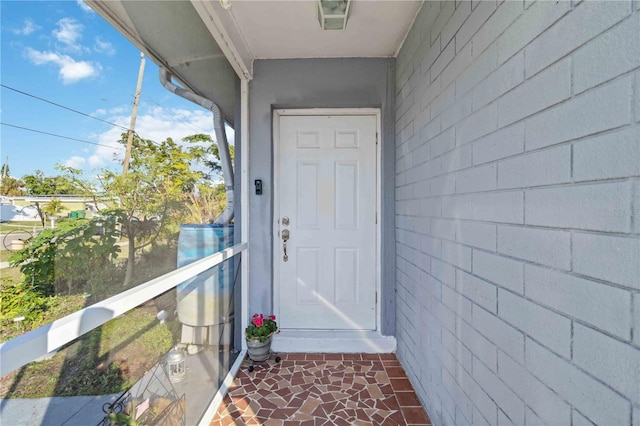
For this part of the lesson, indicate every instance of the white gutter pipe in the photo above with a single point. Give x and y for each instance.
(221, 137)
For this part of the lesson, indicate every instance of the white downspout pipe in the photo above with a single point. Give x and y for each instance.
(221, 137)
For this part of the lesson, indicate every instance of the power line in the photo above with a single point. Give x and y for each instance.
(62, 106)
(69, 109)
(58, 136)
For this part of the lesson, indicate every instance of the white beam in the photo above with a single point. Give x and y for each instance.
(227, 36)
(244, 219)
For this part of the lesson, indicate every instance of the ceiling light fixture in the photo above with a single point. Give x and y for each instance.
(333, 14)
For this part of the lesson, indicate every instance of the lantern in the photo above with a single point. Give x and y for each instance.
(175, 365)
(333, 14)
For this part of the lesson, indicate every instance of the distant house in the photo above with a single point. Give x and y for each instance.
(23, 208)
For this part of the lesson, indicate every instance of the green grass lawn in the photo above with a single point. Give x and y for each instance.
(4, 255)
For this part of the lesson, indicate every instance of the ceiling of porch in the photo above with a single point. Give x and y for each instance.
(290, 29)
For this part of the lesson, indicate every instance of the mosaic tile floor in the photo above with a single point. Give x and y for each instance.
(322, 389)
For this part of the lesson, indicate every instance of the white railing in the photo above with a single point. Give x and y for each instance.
(30, 346)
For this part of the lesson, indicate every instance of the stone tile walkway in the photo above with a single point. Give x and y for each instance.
(322, 389)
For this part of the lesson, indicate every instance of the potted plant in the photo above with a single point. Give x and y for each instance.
(258, 335)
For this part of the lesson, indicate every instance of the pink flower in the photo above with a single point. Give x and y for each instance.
(258, 321)
(272, 317)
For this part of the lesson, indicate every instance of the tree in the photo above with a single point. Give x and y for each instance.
(209, 150)
(39, 184)
(11, 186)
(152, 196)
(4, 171)
(53, 207)
(146, 206)
(206, 203)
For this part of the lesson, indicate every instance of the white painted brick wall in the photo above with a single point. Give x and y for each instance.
(550, 87)
(595, 400)
(589, 301)
(500, 81)
(481, 292)
(505, 207)
(591, 347)
(549, 328)
(636, 320)
(638, 96)
(477, 124)
(613, 155)
(505, 272)
(499, 144)
(605, 108)
(615, 53)
(506, 337)
(518, 211)
(543, 402)
(504, 397)
(544, 246)
(485, 410)
(477, 234)
(529, 25)
(504, 16)
(610, 258)
(586, 21)
(596, 207)
(543, 167)
(476, 179)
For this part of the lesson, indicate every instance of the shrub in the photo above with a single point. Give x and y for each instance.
(22, 300)
(65, 258)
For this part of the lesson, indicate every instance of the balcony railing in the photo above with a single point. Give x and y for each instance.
(28, 347)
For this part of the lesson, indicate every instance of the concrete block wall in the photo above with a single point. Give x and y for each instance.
(518, 211)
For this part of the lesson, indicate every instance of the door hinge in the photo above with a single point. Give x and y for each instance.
(376, 297)
(376, 138)
(376, 218)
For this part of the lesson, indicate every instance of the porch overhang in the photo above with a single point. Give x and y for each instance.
(207, 47)
(174, 36)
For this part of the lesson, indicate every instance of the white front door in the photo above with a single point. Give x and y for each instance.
(326, 192)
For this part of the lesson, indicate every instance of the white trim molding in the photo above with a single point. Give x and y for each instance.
(333, 341)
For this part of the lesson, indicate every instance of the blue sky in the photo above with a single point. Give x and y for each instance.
(64, 52)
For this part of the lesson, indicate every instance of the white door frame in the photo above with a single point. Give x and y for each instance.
(276, 244)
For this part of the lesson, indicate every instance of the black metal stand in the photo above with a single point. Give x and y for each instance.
(251, 367)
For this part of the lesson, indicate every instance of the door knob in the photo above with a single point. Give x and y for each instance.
(285, 221)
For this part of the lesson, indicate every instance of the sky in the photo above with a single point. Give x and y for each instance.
(65, 53)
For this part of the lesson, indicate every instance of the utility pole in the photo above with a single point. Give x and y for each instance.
(134, 114)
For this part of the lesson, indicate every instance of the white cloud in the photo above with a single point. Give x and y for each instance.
(105, 47)
(75, 162)
(157, 124)
(69, 32)
(85, 7)
(28, 28)
(112, 112)
(71, 70)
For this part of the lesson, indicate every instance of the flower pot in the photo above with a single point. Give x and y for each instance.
(259, 351)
